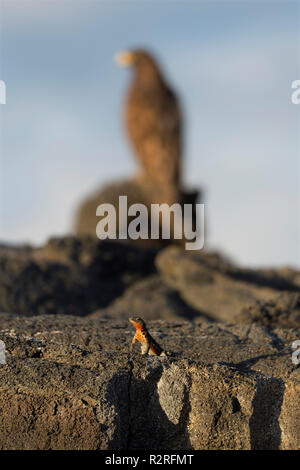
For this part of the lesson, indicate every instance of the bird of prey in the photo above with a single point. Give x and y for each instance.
(154, 125)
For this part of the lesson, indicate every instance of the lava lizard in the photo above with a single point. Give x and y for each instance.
(142, 335)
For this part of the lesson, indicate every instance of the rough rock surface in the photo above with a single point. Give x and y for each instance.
(70, 383)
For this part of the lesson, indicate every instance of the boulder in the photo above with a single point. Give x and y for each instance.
(86, 219)
(209, 283)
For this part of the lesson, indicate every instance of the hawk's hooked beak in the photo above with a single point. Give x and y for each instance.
(124, 58)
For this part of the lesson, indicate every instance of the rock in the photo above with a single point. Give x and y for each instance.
(114, 279)
(147, 194)
(86, 219)
(70, 383)
(282, 311)
(151, 299)
(211, 284)
(69, 275)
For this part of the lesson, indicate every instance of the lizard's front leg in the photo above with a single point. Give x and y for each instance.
(132, 342)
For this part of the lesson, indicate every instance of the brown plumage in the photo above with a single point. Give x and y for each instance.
(153, 123)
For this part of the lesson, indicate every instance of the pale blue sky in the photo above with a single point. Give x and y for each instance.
(232, 64)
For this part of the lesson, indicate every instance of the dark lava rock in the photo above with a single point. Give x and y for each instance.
(69, 275)
(224, 292)
(151, 299)
(282, 311)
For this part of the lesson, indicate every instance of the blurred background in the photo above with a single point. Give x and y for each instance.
(232, 65)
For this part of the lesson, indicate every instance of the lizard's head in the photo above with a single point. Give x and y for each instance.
(137, 322)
